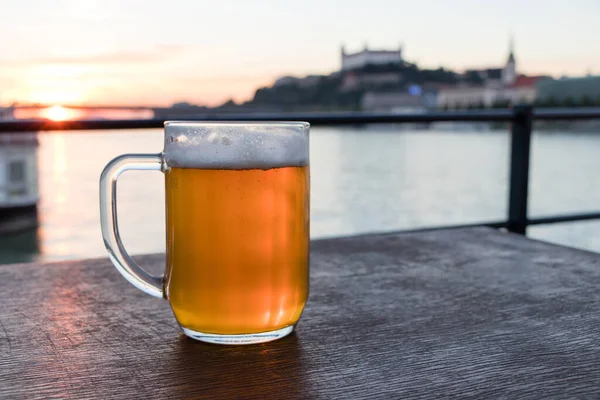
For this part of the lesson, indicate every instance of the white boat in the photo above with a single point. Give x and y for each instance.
(19, 193)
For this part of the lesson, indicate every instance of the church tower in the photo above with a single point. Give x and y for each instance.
(509, 73)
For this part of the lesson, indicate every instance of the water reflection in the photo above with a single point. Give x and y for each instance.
(20, 247)
(361, 181)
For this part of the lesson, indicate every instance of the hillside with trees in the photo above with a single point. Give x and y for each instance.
(335, 91)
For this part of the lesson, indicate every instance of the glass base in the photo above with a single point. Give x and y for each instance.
(249, 338)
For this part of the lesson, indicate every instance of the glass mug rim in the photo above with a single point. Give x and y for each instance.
(275, 149)
(293, 124)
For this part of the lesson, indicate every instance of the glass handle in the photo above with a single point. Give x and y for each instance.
(153, 285)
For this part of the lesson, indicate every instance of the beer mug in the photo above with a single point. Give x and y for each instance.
(237, 227)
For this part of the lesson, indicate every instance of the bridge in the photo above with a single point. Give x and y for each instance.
(89, 107)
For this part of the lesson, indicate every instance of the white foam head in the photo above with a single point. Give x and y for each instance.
(236, 145)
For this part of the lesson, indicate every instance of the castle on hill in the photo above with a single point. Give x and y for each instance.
(383, 80)
(366, 56)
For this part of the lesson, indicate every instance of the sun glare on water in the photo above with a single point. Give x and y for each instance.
(58, 113)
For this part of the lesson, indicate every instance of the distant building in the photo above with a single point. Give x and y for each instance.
(578, 90)
(522, 90)
(6, 113)
(498, 86)
(396, 102)
(464, 96)
(18, 178)
(370, 57)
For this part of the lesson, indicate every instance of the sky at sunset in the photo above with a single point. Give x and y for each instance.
(157, 52)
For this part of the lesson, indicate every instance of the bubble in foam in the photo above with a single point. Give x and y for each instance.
(236, 145)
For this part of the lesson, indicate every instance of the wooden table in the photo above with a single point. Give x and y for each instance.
(469, 313)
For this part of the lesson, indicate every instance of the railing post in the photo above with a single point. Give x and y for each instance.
(519, 168)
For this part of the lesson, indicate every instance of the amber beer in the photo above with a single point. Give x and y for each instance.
(237, 248)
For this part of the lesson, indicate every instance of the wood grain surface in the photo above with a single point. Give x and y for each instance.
(468, 313)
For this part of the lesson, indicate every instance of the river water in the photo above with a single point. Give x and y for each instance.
(363, 180)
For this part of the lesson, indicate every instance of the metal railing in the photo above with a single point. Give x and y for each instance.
(520, 117)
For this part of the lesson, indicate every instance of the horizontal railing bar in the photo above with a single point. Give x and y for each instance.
(566, 113)
(315, 119)
(45, 126)
(563, 218)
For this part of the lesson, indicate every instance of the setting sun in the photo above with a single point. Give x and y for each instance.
(58, 113)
